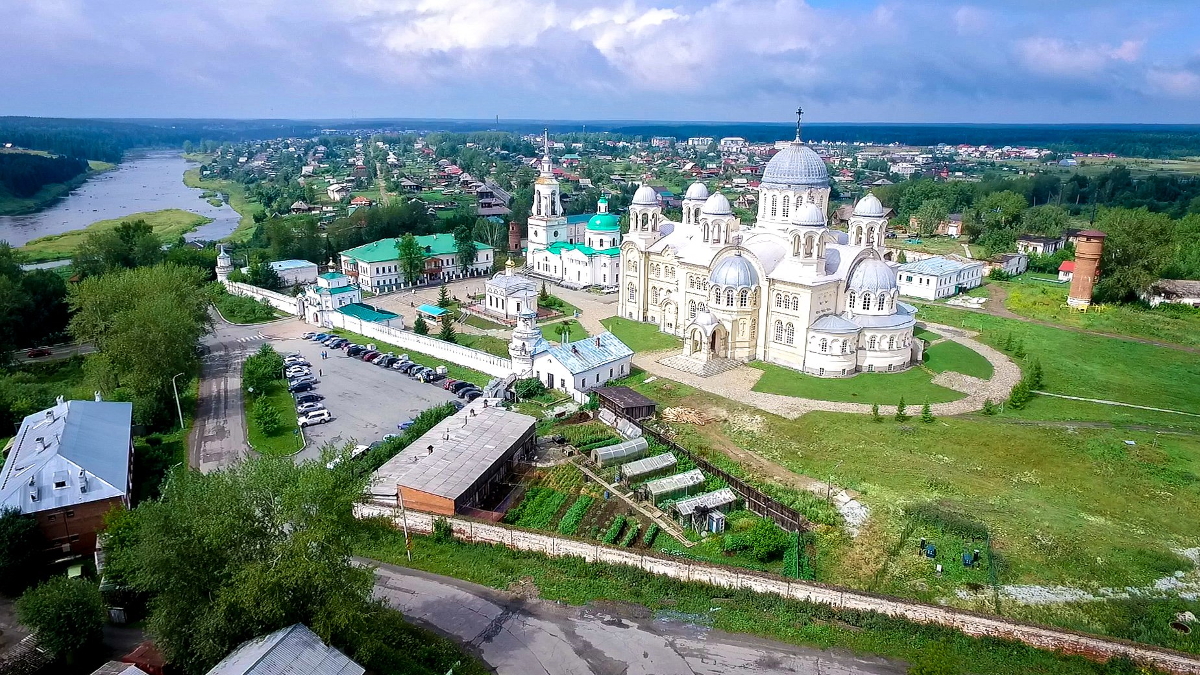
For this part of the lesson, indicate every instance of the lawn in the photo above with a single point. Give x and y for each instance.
(453, 370)
(480, 322)
(237, 200)
(287, 440)
(883, 388)
(952, 356)
(554, 331)
(925, 334)
(168, 224)
(935, 245)
(484, 343)
(641, 337)
(1045, 302)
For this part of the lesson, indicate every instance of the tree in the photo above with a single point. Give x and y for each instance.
(262, 275)
(1020, 395)
(901, 415)
(464, 247)
(1035, 374)
(1047, 220)
(1136, 251)
(129, 244)
(20, 541)
(412, 258)
(529, 387)
(146, 325)
(926, 414)
(444, 300)
(447, 334)
(931, 214)
(261, 369)
(65, 614)
(990, 407)
(420, 327)
(266, 416)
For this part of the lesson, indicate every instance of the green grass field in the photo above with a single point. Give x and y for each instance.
(952, 356)
(168, 224)
(484, 343)
(554, 331)
(480, 322)
(641, 337)
(237, 200)
(935, 245)
(882, 388)
(1047, 302)
(452, 370)
(287, 440)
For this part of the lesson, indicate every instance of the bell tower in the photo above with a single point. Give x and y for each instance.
(547, 223)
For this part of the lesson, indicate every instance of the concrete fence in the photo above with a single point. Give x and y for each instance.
(281, 302)
(970, 623)
(491, 364)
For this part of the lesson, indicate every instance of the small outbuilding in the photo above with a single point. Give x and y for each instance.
(646, 468)
(694, 512)
(620, 453)
(627, 403)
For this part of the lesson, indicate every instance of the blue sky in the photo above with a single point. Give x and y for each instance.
(737, 60)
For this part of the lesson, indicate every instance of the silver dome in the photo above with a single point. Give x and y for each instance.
(795, 166)
(733, 270)
(872, 275)
(808, 215)
(645, 196)
(869, 207)
(697, 190)
(716, 205)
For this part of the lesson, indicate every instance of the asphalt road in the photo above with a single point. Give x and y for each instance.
(519, 636)
(367, 402)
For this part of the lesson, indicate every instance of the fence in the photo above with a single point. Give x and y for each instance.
(757, 501)
(970, 623)
(493, 365)
(281, 302)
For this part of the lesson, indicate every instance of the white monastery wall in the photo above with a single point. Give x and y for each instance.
(284, 303)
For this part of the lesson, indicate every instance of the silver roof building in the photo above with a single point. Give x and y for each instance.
(294, 650)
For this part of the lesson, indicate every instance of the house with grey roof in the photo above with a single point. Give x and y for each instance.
(294, 650)
(939, 277)
(579, 366)
(69, 465)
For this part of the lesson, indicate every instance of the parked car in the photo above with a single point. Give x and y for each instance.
(449, 382)
(305, 408)
(389, 361)
(315, 417)
(464, 393)
(460, 385)
(297, 387)
(296, 373)
(399, 364)
(311, 397)
(458, 405)
(339, 343)
(433, 376)
(473, 394)
(308, 336)
(406, 424)
(302, 378)
(388, 437)
(356, 452)
(418, 372)
(409, 367)
(319, 336)
(371, 356)
(38, 351)
(295, 361)
(355, 350)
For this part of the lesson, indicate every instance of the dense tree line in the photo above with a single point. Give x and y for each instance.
(33, 306)
(22, 174)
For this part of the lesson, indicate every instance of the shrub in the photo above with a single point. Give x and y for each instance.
(65, 614)
(266, 417)
(529, 387)
(420, 327)
(651, 534)
(630, 535)
(926, 414)
(901, 415)
(1021, 394)
(574, 515)
(990, 407)
(443, 532)
(614, 530)
(764, 541)
(875, 416)
(1035, 374)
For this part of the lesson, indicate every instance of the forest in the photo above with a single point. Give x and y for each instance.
(23, 174)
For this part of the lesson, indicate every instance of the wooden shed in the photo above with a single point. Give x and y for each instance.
(627, 403)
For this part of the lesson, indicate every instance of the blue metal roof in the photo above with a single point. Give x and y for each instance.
(936, 266)
(579, 218)
(583, 355)
(281, 265)
(431, 310)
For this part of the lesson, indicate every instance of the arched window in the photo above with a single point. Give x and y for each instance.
(824, 345)
(795, 303)
(791, 334)
(654, 296)
(845, 346)
(779, 331)
(850, 303)
(645, 221)
(871, 236)
(892, 342)
(866, 303)
(696, 215)
(774, 203)
(808, 246)
(691, 310)
(670, 272)
(786, 201)
(871, 343)
(744, 298)
(632, 293)
(882, 300)
(539, 207)
(729, 297)
(858, 232)
(778, 300)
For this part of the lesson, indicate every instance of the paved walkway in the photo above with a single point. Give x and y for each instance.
(738, 384)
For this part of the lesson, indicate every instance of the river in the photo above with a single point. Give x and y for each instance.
(145, 181)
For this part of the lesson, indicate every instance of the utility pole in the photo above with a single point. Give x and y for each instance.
(178, 407)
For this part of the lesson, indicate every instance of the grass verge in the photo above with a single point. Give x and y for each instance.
(168, 224)
(287, 439)
(913, 384)
(952, 356)
(641, 337)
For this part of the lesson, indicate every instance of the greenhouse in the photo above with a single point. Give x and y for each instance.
(693, 511)
(645, 468)
(674, 486)
(620, 453)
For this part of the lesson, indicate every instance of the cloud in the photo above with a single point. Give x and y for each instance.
(1055, 56)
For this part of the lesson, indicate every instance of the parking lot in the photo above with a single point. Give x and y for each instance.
(367, 402)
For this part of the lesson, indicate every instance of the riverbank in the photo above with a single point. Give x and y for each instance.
(16, 206)
(168, 225)
(234, 193)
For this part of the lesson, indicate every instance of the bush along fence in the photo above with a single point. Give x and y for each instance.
(757, 501)
(970, 623)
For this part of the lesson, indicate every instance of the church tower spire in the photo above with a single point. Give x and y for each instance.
(547, 163)
(799, 116)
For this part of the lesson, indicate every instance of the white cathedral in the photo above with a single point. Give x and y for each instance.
(786, 290)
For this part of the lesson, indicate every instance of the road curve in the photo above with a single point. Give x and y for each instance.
(518, 636)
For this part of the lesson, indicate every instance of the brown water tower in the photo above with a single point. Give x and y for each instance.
(514, 237)
(1088, 246)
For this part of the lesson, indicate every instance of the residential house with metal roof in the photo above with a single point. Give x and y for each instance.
(579, 366)
(939, 277)
(294, 650)
(69, 465)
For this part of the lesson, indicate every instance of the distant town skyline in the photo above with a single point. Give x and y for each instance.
(701, 60)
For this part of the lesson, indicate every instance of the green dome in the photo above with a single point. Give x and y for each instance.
(604, 222)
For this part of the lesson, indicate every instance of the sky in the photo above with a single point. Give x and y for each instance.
(1005, 61)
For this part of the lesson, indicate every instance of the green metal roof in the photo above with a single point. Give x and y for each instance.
(558, 248)
(386, 250)
(331, 276)
(335, 291)
(604, 222)
(366, 312)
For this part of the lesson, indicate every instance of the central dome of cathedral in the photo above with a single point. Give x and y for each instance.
(795, 166)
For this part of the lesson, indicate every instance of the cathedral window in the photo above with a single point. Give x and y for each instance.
(791, 334)
(645, 222)
(866, 303)
(779, 331)
(786, 201)
(744, 298)
(870, 236)
(691, 310)
(808, 246)
(882, 300)
(670, 272)
(871, 343)
(845, 346)
(892, 342)
(774, 203)
(795, 303)
(850, 303)
(539, 207)
(632, 293)
(697, 214)
(824, 345)
(778, 300)
(654, 296)
(729, 297)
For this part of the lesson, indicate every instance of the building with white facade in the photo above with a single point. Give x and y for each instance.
(295, 272)
(1029, 243)
(331, 291)
(507, 293)
(376, 266)
(786, 290)
(939, 277)
(578, 366)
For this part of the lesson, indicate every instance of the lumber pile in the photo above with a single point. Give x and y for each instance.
(685, 416)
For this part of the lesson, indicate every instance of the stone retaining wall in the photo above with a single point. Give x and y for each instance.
(971, 623)
(281, 302)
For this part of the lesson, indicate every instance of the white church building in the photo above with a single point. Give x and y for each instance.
(573, 254)
(786, 289)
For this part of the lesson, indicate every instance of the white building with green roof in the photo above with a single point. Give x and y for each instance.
(594, 260)
(376, 266)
